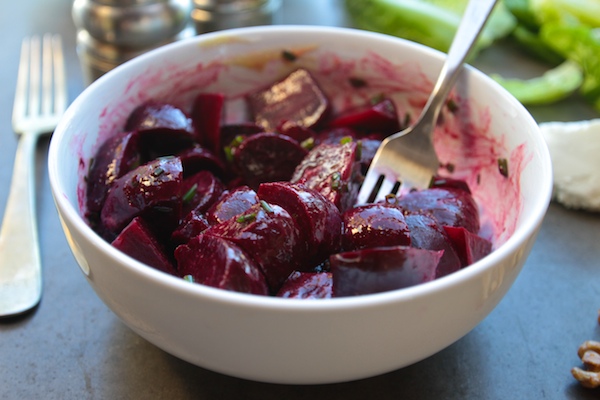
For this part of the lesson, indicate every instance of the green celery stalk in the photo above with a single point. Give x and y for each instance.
(429, 22)
(556, 84)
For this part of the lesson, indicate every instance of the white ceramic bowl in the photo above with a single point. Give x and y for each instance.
(319, 341)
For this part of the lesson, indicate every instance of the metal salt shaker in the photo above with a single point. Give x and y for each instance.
(212, 15)
(111, 32)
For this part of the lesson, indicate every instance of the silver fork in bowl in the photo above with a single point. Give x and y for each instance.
(40, 101)
(407, 159)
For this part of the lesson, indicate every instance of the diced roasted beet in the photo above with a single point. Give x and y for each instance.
(295, 100)
(336, 135)
(231, 204)
(450, 206)
(194, 224)
(155, 186)
(163, 128)
(469, 246)
(332, 170)
(153, 116)
(368, 148)
(197, 158)
(298, 133)
(219, 263)
(318, 219)
(267, 157)
(207, 113)
(380, 117)
(116, 156)
(137, 241)
(374, 225)
(426, 233)
(230, 132)
(200, 191)
(307, 285)
(268, 234)
(381, 269)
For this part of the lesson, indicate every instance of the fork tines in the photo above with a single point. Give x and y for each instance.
(41, 82)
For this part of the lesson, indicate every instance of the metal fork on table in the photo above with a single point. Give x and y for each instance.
(407, 159)
(40, 101)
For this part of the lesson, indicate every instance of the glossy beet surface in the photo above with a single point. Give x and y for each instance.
(380, 269)
(267, 206)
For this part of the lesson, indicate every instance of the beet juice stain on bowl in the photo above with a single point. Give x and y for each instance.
(249, 336)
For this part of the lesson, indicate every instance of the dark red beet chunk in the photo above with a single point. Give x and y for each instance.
(368, 148)
(196, 159)
(207, 113)
(163, 128)
(381, 269)
(332, 170)
(268, 234)
(319, 221)
(295, 100)
(374, 225)
(219, 263)
(200, 191)
(336, 135)
(138, 241)
(153, 116)
(194, 224)
(118, 155)
(450, 206)
(230, 132)
(426, 233)
(231, 204)
(469, 247)
(267, 157)
(380, 118)
(307, 285)
(298, 133)
(155, 185)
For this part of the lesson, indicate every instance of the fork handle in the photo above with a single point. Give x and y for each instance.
(20, 265)
(474, 18)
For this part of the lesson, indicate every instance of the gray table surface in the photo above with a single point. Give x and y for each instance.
(73, 347)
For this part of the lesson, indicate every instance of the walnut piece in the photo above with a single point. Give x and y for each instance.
(589, 376)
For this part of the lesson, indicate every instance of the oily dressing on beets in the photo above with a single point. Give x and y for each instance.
(266, 206)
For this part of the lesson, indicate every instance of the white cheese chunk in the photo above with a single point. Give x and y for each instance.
(575, 153)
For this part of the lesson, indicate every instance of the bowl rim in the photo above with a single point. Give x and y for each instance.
(527, 227)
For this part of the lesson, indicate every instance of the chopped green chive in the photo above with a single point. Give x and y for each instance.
(357, 82)
(308, 144)
(246, 218)
(266, 206)
(452, 106)
(377, 99)
(346, 139)
(158, 172)
(359, 147)
(188, 278)
(189, 195)
(237, 141)
(288, 55)
(406, 122)
(336, 181)
(228, 153)
(503, 167)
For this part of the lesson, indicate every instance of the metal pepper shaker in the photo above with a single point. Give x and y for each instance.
(212, 15)
(111, 32)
